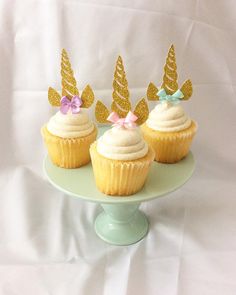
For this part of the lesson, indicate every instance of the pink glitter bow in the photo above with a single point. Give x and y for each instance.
(127, 122)
(74, 105)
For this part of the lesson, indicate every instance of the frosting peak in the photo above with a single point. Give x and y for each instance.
(70, 125)
(122, 144)
(168, 117)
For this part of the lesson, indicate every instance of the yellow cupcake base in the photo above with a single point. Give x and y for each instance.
(169, 147)
(120, 178)
(68, 152)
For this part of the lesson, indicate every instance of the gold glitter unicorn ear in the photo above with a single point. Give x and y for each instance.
(69, 85)
(141, 111)
(101, 112)
(170, 78)
(152, 92)
(187, 89)
(54, 97)
(87, 97)
(121, 103)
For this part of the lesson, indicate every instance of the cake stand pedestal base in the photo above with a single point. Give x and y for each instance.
(121, 224)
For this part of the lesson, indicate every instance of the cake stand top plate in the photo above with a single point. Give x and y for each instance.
(80, 183)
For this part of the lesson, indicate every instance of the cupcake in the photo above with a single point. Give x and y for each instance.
(168, 129)
(68, 137)
(121, 158)
(69, 133)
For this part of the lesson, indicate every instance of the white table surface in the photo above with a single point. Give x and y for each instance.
(47, 244)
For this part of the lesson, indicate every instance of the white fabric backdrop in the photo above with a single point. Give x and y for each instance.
(47, 241)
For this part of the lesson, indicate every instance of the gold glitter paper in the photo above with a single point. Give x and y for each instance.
(54, 97)
(170, 73)
(120, 112)
(101, 112)
(69, 88)
(121, 103)
(152, 92)
(187, 89)
(87, 97)
(120, 99)
(141, 111)
(68, 81)
(170, 78)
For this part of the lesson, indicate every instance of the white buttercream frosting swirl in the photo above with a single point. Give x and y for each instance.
(122, 144)
(70, 125)
(168, 117)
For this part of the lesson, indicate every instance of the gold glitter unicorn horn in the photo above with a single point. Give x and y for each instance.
(120, 99)
(68, 81)
(121, 103)
(170, 77)
(170, 72)
(69, 88)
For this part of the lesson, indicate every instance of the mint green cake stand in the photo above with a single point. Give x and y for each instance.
(121, 222)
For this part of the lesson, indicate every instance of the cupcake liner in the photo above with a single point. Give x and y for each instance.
(169, 147)
(120, 178)
(68, 152)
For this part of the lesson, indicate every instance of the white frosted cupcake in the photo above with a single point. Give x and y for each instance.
(68, 138)
(121, 159)
(169, 130)
(69, 133)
